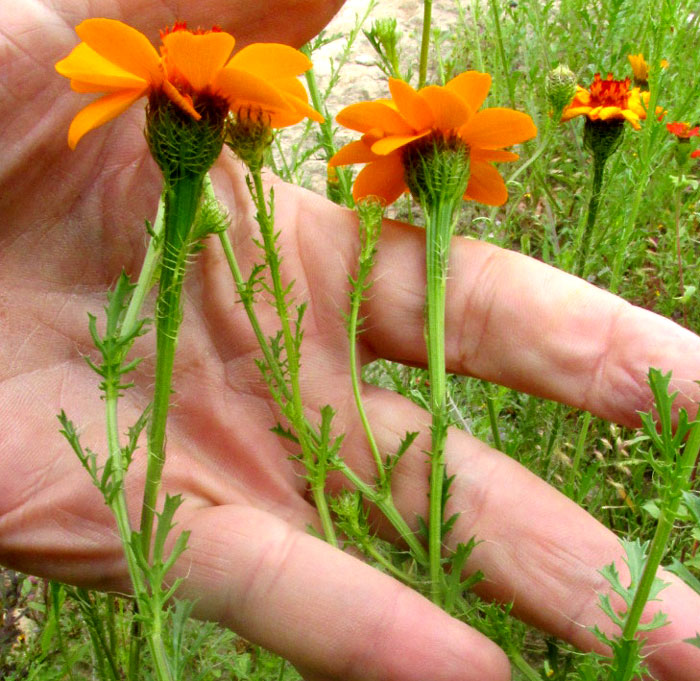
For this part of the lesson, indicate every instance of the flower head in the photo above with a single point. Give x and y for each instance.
(194, 70)
(609, 99)
(695, 154)
(640, 69)
(682, 130)
(434, 117)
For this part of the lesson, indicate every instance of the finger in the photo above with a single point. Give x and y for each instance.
(329, 613)
(509, 318)
(537, 548)
(518, 322)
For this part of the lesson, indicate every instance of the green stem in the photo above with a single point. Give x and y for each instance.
(356, 300)
(119, 509)
(425, 42)
(587, 237)
(669, 512)
(383, 502)
(502, 52)
(182, 199)
(679, 257)
(439, 226)
(344, 190)
(493, 421)
(315, 468)
(523, 666)
(578, 455)
(148, 270)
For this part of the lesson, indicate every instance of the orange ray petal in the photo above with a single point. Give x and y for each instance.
(365, 116)
(632, 118)
(382, 178)
(270, 60)
(492, 155)
(241, 88)
(411, 105)
(85, 66)
(122, 45)
(472, 87)
(294, 92)
(388, 144)
(101, 111)
(486, 185)
(450, 111)
(609, 112)
(497, 128)
(572, 112)
(304, 109)
(355, 152)
(198, 57)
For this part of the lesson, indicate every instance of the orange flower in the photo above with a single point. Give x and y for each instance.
(640, 68)
(682, 130)
(192, 67)
(695, 154)
(609, 99)
(390, 127)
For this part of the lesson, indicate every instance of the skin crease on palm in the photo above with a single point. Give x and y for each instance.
(73, 220)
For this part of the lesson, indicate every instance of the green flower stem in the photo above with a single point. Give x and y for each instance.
(522, 665)
(425, 42)
(495, 6)
(587, 238)
(356, 297)
(147, 274)
(669, 511)
(119, 509)
(327, 142)
(439, 220)
(384, 502)
(182, 199)
(493, 421)
(381, 500)
(316, 468)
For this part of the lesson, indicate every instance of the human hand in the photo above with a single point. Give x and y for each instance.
(74, 219)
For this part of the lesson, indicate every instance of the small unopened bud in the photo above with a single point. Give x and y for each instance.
(560, 88)
(249, 135)
(436, 169)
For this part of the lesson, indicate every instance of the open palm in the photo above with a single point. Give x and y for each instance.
(73, 220)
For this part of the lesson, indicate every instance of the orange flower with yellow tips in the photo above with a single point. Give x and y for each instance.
(391, 128)
(193, 69)
(609, 99)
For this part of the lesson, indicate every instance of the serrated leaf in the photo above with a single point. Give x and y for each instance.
(695, 641)
(286, 433)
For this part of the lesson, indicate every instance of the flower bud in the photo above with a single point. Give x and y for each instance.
(560, 89)
(248, 135)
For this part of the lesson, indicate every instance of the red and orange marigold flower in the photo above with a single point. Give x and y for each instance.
(609, 99)
(682, 130)
(120, 62)
(390, 126)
